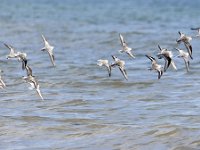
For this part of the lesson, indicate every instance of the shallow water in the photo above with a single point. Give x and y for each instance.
(83, 107)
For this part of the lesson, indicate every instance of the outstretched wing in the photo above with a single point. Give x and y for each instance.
(39, 92)
(52, 59)
(28, 70)
(167, 62)
(150, 57)
(187, 63)
(123, 71)
(121, 39)
(109, 70)
(160, 73)
(12, 50)
(195, 28)
(189, 48)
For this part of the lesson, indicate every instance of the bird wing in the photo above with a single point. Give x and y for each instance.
(52, 58)
(123, 71)
(121, 39)
(189, 48)
(109, 70)
(150, 57)
(195, 28)
(187, 63)
(12, 50)
(46, 43)
(159, 47)
(39, 92)
(2, 83)
(173, 64)
(130, 54)
(167, 62)
(160, 73)
(28, 70)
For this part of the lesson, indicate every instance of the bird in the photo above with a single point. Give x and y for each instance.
(125, 47)
(185, 56)
(155, 66)
(121, 66)
(186, 40)
(12, 53)
(167, 55)
(47, 47)
(198, 31)
(104, 62)
(19, 55)
(2, 84)
(22, 57)
(32, 81)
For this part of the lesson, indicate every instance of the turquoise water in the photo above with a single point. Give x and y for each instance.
(83, 108)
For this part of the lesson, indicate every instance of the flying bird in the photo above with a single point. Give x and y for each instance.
(32, 81)
(167, 55)
(47, 47)
(19, 55)
(104, 62)
(12, 53)
(121, 66)
(186, 40)
(185, 56)
(125, 47)
(155, 66)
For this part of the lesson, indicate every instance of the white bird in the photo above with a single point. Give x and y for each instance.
(2, 84)
(12, 53)
(125, 47)
(19, 55)
(198, 31)
(155, 66)
(185, 56)
(186, 40)
(121, 66)
(104, 62)
(47, 47)
(32, 81)
(167, 55)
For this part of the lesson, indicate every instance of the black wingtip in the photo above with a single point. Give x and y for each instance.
(159, 47)
(160, 73)
(197, 28)
(24, 64)
(113, 56)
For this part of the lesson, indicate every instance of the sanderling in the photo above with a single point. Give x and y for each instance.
(125, 47)
(104, 62)
(47, 47)
(21, 56)
(155, 66)
(186, 40)
(185, 56)
(12, 53)
(2, 84)
(198, 31)
(167, 55)
(121, 66)
(32, 81)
